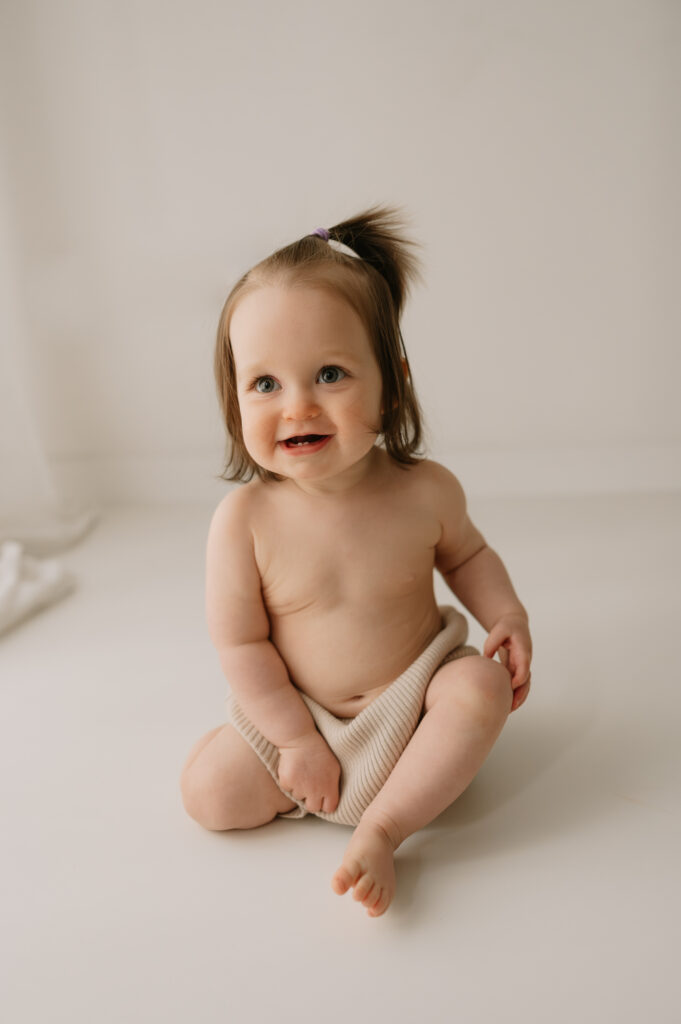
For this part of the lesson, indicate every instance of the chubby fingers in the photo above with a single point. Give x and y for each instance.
(520, 694)
(512, 654)
(496, 637)
(326, 804)
(520, 669)
(329, 804)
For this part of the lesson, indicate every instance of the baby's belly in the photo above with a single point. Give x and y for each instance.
(344, 659)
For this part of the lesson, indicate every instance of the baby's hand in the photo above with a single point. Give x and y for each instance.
(310, 772)
(511, 637)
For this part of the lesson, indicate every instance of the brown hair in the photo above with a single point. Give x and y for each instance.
(376, 286)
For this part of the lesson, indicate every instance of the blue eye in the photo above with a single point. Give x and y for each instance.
(265, 385)
(330, 374)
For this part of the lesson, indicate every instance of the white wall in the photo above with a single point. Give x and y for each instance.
(156, 150)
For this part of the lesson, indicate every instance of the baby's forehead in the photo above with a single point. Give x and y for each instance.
(280, 319)
(272, 301)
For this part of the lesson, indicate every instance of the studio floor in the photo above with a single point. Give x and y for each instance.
(550, 891)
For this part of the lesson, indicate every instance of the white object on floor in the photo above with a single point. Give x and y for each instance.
(48, 534)
(27, 585)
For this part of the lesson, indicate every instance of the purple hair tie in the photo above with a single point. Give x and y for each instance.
(338, 246)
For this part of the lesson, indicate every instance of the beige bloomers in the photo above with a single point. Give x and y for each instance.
(369, 745)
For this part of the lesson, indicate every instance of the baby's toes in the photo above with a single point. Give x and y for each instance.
(381, 904)
(376, 897)
(346, 876)
(363, 888)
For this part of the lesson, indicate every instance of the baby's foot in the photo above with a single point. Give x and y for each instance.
(368, 867)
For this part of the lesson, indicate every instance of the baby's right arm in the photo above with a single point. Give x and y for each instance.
(239, 628)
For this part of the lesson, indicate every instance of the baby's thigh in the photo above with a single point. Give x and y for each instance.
(226, 785)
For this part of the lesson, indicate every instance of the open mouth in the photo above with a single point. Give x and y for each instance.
(303, 440)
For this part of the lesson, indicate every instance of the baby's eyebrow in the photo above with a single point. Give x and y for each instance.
(324, 359)
(258, 368)
(337, 357)
(255, 369)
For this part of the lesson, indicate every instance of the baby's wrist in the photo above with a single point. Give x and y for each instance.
(303, 740)
(516, 613)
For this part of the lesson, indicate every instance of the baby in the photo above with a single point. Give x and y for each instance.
(353, 694)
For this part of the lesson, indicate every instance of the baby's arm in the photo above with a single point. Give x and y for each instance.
(478, 577)
(239, 628)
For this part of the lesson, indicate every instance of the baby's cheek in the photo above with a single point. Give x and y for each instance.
(253, 428)
(255, 444)
(366, 412)
(248, 440)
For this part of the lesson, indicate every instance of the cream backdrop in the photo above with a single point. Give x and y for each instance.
(153, 151)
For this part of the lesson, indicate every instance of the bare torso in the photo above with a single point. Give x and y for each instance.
(348, 582)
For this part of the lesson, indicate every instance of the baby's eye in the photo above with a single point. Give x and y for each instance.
(331, 374)
(265, 385)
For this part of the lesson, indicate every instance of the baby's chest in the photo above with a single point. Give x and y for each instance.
(361, 560)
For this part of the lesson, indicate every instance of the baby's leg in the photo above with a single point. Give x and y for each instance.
(466, 705)
(225, 785)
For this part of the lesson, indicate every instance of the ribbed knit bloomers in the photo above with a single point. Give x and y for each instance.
(368, 746)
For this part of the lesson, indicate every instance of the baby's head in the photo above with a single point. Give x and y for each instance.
(374, 283)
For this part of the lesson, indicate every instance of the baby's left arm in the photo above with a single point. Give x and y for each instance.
(478, 577)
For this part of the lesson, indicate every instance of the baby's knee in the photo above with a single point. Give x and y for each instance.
(487, 684)
(204, 800)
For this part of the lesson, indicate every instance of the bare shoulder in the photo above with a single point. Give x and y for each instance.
(231, 534)
(444, 487)
(459, 537)
(237, 509)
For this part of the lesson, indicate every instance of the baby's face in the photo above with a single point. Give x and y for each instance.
(305, 370)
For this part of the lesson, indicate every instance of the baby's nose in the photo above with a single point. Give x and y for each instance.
(300, 405)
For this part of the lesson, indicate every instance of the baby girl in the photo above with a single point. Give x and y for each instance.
(353, 695)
